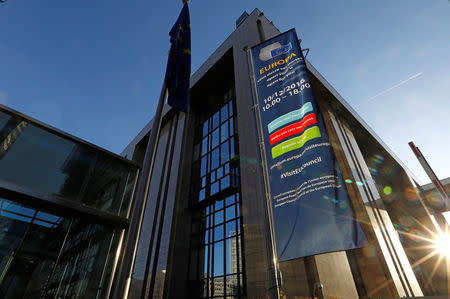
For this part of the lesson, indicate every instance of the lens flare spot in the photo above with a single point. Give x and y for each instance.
(342, 205)
(348, 181)
(387, 190)
(335, 200)
(373, 171)
(360, 183)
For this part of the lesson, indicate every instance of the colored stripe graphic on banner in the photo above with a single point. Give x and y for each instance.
(295, 128)
(296, 142)
(289, 117)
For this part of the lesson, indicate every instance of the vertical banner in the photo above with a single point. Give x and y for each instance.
(312, 213)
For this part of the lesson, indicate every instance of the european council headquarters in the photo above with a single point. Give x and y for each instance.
(271, 186)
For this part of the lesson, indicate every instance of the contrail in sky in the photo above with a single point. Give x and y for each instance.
(395, 86)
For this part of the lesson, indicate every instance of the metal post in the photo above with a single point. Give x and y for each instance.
(137, 214)
(274, 290)
(429, 171)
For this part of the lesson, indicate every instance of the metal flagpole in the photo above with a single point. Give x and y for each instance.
(137, 214)
(434, 179)
(274, 290)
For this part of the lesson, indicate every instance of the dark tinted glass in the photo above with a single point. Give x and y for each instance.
(43, 255)
(41, 161)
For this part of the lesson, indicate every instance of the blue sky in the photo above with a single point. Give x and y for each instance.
(94, 68)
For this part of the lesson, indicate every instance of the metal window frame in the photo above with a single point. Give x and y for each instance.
(210, 200)
(60, 206)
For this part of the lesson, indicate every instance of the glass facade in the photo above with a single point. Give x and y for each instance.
(63, 205)
(47, 163)
(222, 276)
(212, 171)
(216, 198)
(43, 255)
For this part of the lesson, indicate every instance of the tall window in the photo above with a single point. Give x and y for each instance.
(216, 197)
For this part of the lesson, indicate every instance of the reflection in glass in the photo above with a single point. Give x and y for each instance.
(219, 205)
(224, 113)
(218, 233)
(81, 266)
(230, 229)
(232, 284)
(222, 268)
(215, 138)
(43, 255)
(218, 258)
(42, 161)
(224, 132)
(218, 218)
(215, 120)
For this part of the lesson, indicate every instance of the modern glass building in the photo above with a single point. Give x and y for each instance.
(64, 207)
(204, 229)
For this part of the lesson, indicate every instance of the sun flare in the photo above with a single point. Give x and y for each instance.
(442, 244)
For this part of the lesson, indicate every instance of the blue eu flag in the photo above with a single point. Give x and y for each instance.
(179, 65)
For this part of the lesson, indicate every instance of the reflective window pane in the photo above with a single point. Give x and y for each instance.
(215, 120)
(203, 166)
(43, 255)
(215, 188)
(215, 138)
(231, 127)
(41, 161)
(224, 132)
(215, 158)
(232, 285)
(206, 261)
(201, 195)
(231, 148)
(225, 153)
(229, 200)
(206, 236)
(226, 168)
(224, 113)
(219, 205)
(205, 128)
(219, 172)
(218, 233)
(220, 238)
(218, 217)
(225, 182)
(230, 213)
(230, 229)
(218, 258)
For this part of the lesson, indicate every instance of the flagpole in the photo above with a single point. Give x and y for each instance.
(274, 289)
(141, 193)
(429, 171)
